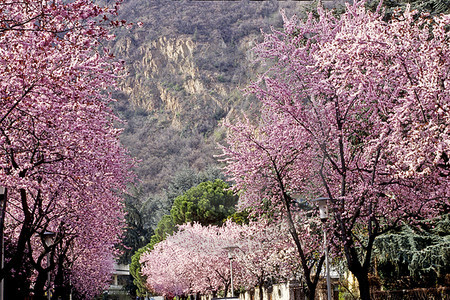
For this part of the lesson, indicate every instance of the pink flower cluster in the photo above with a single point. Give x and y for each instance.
(355, 109)
(60, 157)
(195, 259)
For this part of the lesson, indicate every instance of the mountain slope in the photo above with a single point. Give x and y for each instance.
(186, 68)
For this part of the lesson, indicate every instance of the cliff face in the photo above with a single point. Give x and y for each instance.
(159, 58)
(196, 83)
(167, 78)
(186, 69)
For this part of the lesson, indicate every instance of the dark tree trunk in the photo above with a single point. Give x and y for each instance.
(18, 260)
(40, 285)
(364, 286)
(311, 292)
(358, 269)
(17, 287)
(362, 275)
(17, 282)
(61, 287)
(227, 285)
(4, 198)
(311, 281)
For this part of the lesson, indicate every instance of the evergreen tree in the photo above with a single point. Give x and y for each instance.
(210, 202)
(207, 203)
(413, 257)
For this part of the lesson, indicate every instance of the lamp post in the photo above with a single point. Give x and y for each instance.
(2, 244)
(230, 250)
(48, 239)
(323, 214)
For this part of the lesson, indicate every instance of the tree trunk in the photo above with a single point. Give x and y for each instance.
(18, 260)
(227, 285)
(362, 275)
(361, 270)
(311, 292)
(310, 282)
(17, 287)
(40, 285)
(61, 287)
(364, 285)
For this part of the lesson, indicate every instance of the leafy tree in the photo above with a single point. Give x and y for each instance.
(414, 257)
(210, 202)
(367, 103)
(207, 203)
(137, 234)
(179, 185)
(153, 207)
(135, 270)
(240, 217)
(165, 228)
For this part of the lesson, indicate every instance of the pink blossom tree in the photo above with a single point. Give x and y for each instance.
(362, 107)
(268, 162)
(195, 260)
(266, 255)
(60, 157)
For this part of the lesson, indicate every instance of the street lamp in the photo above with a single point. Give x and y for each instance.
(48, 239)
(323, 208)
(230, 250)
(323, 214)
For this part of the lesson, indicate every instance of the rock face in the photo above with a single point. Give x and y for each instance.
(165, 76)
(186, 68)
(161, 57)
(169, 75)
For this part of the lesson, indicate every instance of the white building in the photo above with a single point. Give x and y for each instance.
(118, 279)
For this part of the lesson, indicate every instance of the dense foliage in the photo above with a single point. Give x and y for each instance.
(60, 157)
(209, 202)
(135, 271)
(355, 109)
(195, 259)
(414, 257)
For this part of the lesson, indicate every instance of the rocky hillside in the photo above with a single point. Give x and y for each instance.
(187, 66)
